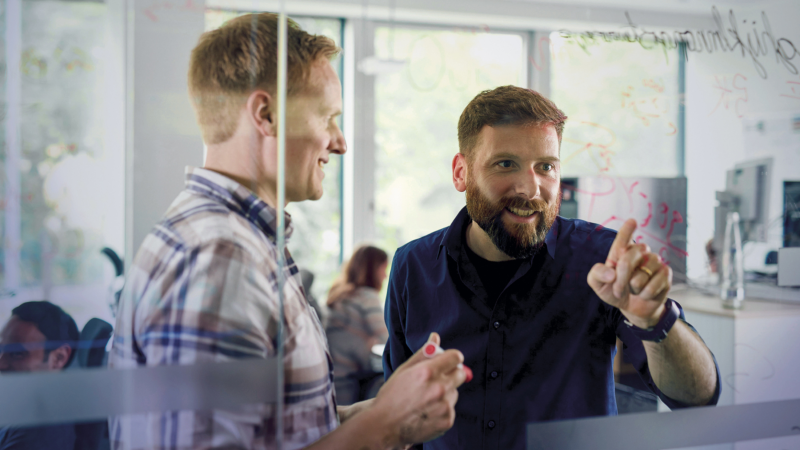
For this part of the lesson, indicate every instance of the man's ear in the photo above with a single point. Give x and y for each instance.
(58, 358)
(260, 112)
(460, 172)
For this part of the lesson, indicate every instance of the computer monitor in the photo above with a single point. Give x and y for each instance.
(747, 189)
(791, 213)
(569, 198)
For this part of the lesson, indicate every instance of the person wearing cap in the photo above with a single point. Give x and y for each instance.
(39, 337)
(534, 301)
(203, 287)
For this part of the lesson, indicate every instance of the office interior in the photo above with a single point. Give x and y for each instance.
(696, 137)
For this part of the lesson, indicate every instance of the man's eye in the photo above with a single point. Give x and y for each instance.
(547, 167)
(506, 164)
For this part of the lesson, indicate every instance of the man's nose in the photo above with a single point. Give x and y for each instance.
(528, 184)
(337, 144)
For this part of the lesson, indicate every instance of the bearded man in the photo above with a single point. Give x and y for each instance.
(535, 301)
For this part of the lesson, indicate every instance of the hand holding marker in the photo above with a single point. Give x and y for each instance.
(431, 349)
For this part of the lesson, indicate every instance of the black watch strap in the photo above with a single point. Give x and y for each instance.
(658, 332)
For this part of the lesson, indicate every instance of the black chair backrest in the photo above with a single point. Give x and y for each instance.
(92, 353)
(92, 346)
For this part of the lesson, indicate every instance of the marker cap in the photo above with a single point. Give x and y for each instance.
(431, 349)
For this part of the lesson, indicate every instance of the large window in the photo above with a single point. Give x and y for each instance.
(62, 177)
(623, 106)
(316, 245)
(416, 116)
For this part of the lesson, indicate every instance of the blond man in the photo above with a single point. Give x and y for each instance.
(203, 286)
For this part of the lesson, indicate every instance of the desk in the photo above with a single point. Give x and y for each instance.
(757, 348)
(696, 301)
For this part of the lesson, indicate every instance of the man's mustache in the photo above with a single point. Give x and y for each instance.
(536, 204)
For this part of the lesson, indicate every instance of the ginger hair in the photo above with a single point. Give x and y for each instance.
(234, 60)
(505, 105)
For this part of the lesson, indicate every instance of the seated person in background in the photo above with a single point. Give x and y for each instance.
(39, 337)
(535, 301)
(355, 320)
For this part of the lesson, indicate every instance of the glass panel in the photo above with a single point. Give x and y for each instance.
(416, 117)
(766, 425)
(622, 102)
(64, 218)
(3, 151)
(318, 222)
(72, 201)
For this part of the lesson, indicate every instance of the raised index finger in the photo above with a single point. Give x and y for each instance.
(621, 242)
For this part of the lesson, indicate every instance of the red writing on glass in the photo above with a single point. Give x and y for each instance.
(727, 97)
(795, 87)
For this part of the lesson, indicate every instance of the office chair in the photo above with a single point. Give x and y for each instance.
(91, 353)
(92, 346)
(119, 278)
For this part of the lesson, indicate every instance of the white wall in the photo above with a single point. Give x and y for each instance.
(714, 132)
(164, 134)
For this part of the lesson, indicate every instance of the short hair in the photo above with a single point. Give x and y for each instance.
(57, 326)
(240, 56)
(506, 105)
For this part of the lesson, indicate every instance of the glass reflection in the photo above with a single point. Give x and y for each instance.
(41, 337)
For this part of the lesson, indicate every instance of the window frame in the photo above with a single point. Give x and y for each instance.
(362, 208)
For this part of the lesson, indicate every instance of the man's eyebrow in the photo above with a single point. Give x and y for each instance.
(549, 159)
(504, 155)
(335, 112)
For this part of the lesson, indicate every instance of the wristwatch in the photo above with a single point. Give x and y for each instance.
(658, 332)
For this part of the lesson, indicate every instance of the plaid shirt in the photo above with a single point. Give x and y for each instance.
(203, 288)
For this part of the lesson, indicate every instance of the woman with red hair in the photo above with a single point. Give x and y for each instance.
(355, 322)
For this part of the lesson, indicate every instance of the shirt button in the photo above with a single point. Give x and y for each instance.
(493, 375)
(491, 424)
(496, 325)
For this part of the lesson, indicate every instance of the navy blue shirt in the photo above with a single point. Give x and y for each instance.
(541, 350)
(53, 437)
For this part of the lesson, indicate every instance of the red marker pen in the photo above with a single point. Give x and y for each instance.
(430, 350)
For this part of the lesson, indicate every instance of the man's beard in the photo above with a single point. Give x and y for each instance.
(517, 240)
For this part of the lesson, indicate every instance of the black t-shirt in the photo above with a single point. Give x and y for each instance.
(494, 275)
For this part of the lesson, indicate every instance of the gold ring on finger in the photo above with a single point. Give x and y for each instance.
(646, 270)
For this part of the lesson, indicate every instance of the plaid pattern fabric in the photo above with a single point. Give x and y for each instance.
(203, 288)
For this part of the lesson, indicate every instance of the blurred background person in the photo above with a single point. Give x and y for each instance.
(355, 323)
(39, 337)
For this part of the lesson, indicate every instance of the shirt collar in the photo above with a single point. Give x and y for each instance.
(238, 199)
(452, 241)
